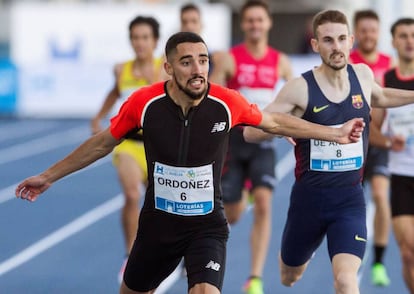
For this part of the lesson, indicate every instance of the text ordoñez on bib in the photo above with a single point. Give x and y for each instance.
(186, 191)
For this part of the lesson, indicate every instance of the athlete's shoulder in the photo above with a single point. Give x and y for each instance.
(363, 72)
(274, 50)
(361, 69)
(294, 89)
(297, 81)
(385, 56)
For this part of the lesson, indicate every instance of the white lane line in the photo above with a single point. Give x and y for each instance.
(43, 144)
(24, 129)
(63, 233)
(7, 193)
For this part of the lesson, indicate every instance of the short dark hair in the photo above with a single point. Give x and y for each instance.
(401, 21)
(188, 7)
(254, 3)
(148, 20)
(325, 16)
(181, 37)
(362, 14)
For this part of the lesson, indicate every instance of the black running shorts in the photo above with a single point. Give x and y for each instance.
(164, 239)
(247, 161)
(402, 195)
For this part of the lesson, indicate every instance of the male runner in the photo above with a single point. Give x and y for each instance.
(327, 198)
(253, 68)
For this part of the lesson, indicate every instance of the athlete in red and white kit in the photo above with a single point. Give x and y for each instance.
(254, 69)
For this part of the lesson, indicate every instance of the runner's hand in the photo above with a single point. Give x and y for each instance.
(31, 188)
(351, 131)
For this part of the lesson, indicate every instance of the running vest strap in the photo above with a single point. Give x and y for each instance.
(332, 164)
(400, 120)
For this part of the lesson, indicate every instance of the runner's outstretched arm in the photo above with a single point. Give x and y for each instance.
(288, 125)
(91, 150)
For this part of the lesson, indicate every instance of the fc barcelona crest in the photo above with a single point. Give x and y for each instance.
(357, 101)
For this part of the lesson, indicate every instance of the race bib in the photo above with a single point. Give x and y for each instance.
(186, 191)
(334, 157)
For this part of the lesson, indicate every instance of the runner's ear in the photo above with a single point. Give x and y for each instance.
(168, 68)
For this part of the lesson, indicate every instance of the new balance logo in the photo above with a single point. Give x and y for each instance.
(213, 265)
(219, 127)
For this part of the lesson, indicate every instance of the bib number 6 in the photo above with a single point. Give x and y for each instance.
(183, 196)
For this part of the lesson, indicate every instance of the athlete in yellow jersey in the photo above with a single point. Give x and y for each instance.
(129, 156)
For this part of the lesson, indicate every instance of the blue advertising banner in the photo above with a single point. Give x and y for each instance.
(8, 87)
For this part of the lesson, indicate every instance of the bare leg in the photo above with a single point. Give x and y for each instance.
(289, 275)
(130, 175)
(404, 234)
(345, 269)
(233, 211)
(382, 219)
(204, 288)
(261, 230)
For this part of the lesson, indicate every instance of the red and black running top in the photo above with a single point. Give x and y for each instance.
(171, 138)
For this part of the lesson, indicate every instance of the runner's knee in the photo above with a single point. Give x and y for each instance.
(407, 253)
(288, 278)
(344, 281)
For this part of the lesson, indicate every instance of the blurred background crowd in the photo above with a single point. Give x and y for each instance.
(56, 55)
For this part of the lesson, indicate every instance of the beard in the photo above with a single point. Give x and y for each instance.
(333, 65)
(367, 46)
(192, 94)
